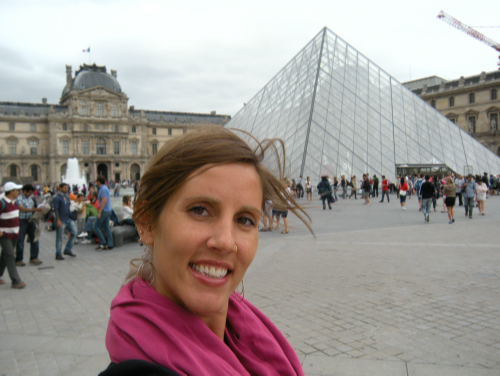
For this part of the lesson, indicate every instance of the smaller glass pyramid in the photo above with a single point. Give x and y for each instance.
(340, 114)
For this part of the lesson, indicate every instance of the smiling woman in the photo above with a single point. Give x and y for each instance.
(197, 211)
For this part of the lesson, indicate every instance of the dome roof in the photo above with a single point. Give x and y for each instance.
(89, 76)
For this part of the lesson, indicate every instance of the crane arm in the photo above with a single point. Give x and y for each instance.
(468, 30)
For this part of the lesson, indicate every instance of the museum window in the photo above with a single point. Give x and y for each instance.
(117, 129)
(85, 147)
(114, 111)
(34, 172)
(85, 128)
(134, 148)
(154, 131)
(170, 131)
(12, 127)
(65, 147)
(65, 127)
(452, 101)
(99, 110)
(472, 124)
(84, 110)
(154, 148)
(33, 150)
(494, 95)
(433, 103)
(13, 171)
(133, 129)
(117, 147)
(12, 147)
(100, 147)
(32, 127)
(472, 98)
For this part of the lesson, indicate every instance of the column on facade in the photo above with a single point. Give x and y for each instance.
(94, 168)
(111, 174)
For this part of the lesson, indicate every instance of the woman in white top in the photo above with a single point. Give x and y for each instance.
(127, 210)
(481, 190)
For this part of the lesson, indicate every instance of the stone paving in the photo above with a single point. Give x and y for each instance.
(376, 292)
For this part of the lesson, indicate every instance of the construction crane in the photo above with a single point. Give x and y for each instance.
(469, 30)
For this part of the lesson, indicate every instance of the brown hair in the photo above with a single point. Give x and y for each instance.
(125, 199)
(173, 164)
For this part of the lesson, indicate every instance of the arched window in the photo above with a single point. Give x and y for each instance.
(433, 103)
(99, 111)
(34, 172)
(13, 171)
(117, 128)
(494, 95)
(154, 148)
(452, 101)
(472, 98)
(154, 131)
(100, 146)
(133, 128)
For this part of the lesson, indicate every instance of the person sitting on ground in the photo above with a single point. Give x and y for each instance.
(197, 211)
(127, 210)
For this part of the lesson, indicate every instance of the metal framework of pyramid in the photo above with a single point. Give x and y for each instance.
(340, 114)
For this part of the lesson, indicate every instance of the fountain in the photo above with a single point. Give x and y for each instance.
(73, 174)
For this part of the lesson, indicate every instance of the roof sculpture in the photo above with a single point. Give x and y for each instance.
(340, 114)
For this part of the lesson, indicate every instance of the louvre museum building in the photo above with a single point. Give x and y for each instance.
(92, 123)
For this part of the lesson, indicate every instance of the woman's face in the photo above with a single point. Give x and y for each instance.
(194, 253)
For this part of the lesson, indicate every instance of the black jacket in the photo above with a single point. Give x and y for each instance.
(427, 190)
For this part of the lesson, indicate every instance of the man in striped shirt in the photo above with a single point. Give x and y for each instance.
(9, 232)
(27, 207)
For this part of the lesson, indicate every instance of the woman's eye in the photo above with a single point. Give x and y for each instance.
(245, 221)
(198, 210)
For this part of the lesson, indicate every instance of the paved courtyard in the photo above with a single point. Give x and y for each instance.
(376, 292)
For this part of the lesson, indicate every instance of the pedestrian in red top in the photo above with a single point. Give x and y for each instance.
(403, 188)
(385, 189)
(9, 233)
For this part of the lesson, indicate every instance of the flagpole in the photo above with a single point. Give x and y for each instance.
(90, 55)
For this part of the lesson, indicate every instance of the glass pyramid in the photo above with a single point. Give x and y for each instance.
(340, 114)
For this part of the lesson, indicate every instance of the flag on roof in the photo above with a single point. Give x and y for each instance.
(87, 50)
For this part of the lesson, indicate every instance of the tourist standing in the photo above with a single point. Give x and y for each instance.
(62, 205)
(116, 191)
(335, 187)
(343, 185)
(27, 207)
(385, 189)
(470, 189)
(427, 192)
(325, 190)
(459, 184)
(309, 194)
(9, 233)
(402, 189)
(366, 189)
(103, 215)
(449, 190)
(300, 188)
(375, 186)
(481, 191)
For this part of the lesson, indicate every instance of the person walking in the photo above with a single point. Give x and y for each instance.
(366, 189)
(27, 207)
(385, 189)
(353, 187)
(309, 194)
(427, 192)
(470, 189)
(375, 186)
(103, 215)
(449, 190)
(325, 190)
(481, 191)
(459, 184)
(335, 187)
(343, 185)
(300, 188)
(64, 222)
(402, 189)
(9, 233)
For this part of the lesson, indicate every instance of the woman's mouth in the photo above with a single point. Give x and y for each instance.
(209, 271)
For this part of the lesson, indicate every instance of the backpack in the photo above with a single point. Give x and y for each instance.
(418, 185)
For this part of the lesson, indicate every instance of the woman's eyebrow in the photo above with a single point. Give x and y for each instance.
(214, 202)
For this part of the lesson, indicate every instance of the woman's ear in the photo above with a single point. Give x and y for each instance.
(145, 230)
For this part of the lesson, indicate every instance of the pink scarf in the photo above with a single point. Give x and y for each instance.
(148, 326)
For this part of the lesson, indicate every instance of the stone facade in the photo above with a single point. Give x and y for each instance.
(472, 103)
(92, 123)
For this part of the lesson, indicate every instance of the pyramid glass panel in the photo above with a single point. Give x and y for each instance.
(341, 114)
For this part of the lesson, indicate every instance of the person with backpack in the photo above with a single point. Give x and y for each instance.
(9, 233)
(64, 222)
(325, 190)
(375, 186)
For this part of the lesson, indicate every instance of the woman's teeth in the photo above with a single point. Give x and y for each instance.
(209, 271)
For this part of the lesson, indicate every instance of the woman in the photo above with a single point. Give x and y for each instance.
(353, 187)
(127, 211)
(481, 190)
(402, 189)
(199, 221)
(335, 187)
(450, 191)
(309, 194)
(294, 188)
(343, 184)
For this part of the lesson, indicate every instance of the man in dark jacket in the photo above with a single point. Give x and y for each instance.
(325, 190)
(63, 221)
(427, 191)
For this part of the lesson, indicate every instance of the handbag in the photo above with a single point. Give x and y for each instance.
(402, 193)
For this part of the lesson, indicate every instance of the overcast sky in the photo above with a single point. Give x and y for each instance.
(199, 56)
